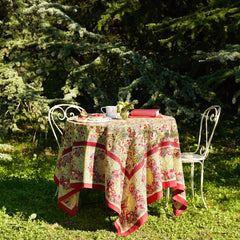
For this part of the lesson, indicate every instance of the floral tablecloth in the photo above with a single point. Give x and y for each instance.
(132, 160)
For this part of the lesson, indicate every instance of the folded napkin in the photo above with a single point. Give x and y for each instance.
(145, 113)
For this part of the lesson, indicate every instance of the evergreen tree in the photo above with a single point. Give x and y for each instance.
(225, 80)
(172, 32)
(47, 57)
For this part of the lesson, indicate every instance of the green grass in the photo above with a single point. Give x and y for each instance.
(29, 211)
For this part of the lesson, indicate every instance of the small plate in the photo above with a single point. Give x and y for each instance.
(90, 119)
(105, 119)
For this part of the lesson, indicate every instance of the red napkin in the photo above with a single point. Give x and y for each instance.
(145, 113)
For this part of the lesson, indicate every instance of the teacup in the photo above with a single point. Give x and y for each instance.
(111, 111)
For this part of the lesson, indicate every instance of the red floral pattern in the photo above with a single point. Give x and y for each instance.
(132, 160)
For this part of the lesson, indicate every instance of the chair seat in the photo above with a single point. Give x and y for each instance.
(189, 157)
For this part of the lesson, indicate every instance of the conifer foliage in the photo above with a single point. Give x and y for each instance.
(48, 58)
(178, 34)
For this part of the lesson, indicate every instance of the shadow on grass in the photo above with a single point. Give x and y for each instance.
(25, 197)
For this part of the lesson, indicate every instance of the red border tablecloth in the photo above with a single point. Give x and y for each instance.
(132, 160)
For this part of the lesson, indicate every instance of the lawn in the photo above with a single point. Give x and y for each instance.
(28, 209)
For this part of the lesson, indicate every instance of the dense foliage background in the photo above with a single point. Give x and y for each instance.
(179, 57)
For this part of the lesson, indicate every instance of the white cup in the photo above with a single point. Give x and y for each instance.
(111, 111)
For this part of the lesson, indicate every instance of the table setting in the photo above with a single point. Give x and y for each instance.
(131, 159)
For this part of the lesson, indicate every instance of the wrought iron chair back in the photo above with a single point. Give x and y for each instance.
(58, 114)
(209, 121)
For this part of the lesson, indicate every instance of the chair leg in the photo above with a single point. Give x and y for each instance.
(167, 196)
(55, 193)
(202, 172)
(109, 215)
(192, 178)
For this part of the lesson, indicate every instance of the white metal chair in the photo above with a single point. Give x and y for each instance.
(58, 114)
(208, 125)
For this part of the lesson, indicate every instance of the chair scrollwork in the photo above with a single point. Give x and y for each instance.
(59, 113)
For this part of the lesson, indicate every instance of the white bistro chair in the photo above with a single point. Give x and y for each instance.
(208, 125)
(57, 116)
